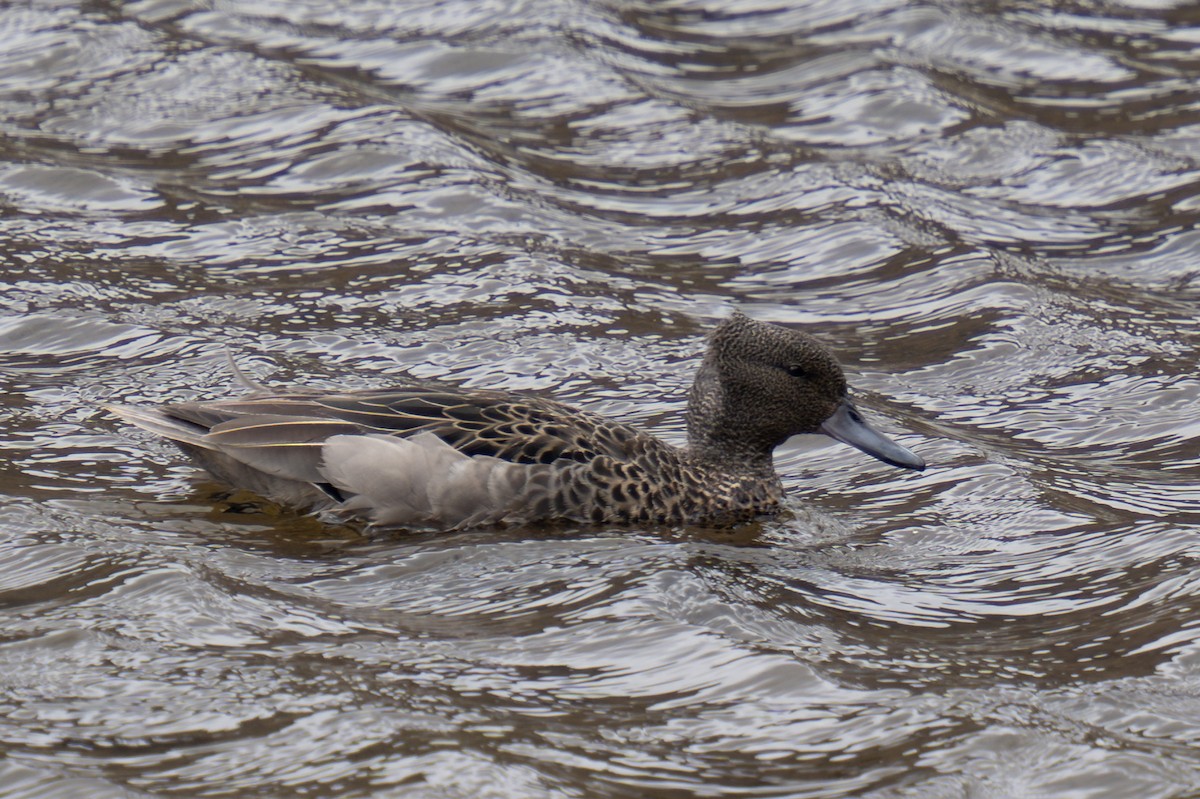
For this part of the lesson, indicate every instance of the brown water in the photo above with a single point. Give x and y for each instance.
(988, 209)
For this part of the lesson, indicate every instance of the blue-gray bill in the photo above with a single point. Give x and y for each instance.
(847, 426)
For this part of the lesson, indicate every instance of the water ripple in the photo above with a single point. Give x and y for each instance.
(988, 211)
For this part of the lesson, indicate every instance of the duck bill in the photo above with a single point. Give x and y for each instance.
(848, 427)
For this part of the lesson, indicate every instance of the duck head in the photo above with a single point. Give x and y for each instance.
(759, 384)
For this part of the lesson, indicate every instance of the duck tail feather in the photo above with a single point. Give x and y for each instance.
(155, 421)
(244, 380)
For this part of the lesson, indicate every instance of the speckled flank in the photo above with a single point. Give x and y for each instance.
(438, 455)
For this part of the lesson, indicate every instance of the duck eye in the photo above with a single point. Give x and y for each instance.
(796, 371)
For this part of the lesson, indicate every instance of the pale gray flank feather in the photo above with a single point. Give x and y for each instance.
(422, 479)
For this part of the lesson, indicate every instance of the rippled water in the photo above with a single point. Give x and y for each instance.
(988, 209)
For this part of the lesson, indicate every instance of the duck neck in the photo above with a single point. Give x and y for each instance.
(731, 455)
(721, 437)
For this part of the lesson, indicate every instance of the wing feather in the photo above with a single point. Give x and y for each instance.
(280, 433)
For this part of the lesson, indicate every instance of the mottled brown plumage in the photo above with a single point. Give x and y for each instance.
(449, 457)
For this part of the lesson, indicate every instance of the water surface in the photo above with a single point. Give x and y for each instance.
(989, 210)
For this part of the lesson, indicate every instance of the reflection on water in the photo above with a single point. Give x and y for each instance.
(988, 210)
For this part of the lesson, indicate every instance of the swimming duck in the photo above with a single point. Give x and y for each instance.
(437, 455)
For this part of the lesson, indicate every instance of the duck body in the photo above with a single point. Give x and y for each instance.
(427, 454)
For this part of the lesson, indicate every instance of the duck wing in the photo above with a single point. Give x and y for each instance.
(285, 435)
(516, 428)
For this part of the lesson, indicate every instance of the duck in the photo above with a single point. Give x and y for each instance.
(437, 455)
